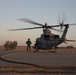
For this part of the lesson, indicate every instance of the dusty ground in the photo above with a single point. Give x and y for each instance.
(23, 48)
(42, 58)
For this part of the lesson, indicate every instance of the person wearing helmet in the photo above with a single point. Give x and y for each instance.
(28, 42)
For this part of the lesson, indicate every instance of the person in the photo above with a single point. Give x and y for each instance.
(28, 42)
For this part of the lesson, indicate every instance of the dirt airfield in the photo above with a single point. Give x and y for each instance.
(59, 50)
(21, 62)
(62, 57)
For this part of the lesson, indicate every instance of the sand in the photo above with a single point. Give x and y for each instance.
(21, 62)
(62, 57)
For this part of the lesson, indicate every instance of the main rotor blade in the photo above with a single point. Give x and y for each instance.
(53, 26)
(73, 24)
(59, 25)
(71, 40)
(25, 28)
(30, 21)
(56, 29)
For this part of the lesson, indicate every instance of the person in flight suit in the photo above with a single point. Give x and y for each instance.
(28, 42)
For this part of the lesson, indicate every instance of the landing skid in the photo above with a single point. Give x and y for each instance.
(52, 51)
(37, 50)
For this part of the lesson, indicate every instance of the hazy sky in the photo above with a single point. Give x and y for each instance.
(38, 10)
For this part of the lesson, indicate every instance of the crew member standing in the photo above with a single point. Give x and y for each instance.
(28, 42)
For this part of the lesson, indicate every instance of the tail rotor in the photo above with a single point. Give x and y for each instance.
(62, 20)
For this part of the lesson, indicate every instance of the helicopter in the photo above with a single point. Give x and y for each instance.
(47, 40)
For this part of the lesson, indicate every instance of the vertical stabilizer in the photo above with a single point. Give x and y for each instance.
(65, 31)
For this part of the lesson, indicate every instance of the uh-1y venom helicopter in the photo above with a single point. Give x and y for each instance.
(47, 40)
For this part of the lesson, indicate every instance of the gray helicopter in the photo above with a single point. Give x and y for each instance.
(47, 40)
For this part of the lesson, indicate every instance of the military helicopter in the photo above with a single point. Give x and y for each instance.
(47, 40)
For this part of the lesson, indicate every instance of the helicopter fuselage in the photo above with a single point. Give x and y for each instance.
(42, 43)
(49, 41)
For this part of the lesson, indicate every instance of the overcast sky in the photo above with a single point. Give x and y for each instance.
(38, 10)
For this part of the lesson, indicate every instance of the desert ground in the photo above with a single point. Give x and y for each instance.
(62, 57)
(19, 57)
